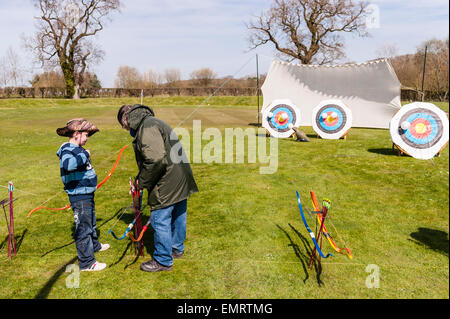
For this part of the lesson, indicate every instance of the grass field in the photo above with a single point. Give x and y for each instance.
(245, 236)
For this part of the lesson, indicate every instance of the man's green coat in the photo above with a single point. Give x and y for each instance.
(163, 167)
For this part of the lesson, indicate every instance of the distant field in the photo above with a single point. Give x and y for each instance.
(249, 102)
(245, 236)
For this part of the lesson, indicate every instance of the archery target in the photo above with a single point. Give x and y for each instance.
(420, 130)
(331, 119)
(279, 118)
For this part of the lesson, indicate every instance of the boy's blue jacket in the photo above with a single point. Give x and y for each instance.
(77, 173)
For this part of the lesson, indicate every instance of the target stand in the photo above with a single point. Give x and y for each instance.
(420, 130)
(331, 119)
(280, 117)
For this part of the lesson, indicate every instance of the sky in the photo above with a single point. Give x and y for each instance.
(193, 34)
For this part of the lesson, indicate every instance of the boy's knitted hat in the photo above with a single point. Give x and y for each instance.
(80, 125)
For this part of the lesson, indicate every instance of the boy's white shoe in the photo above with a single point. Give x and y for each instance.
(104, 247)
(95, 267)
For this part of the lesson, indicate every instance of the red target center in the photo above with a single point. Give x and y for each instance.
(420, 128)
(281, 118)
(329, 120)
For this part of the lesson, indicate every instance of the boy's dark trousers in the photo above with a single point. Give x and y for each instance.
(86, 239)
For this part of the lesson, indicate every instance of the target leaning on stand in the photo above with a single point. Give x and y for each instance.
(331, 119)
(420, 130)
(280, 117)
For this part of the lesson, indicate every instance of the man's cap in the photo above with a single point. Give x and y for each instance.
(74, 125)
(123, 113)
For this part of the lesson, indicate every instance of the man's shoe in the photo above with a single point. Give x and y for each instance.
(95, 267)
(154, 266)
(176, 254)
(104, 247)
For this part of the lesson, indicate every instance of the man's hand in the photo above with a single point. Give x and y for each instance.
(133, 187)
(136, 183)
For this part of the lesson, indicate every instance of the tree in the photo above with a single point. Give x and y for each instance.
(308, 30)
(64, 29)
(55, 79)
(128, 77)
(172, 76)
(11, 71)
(203, 76)
(3, 72)
(437, 67)
(388, 51)
(150, 79)
(48, 79)
(407, 69)
(92, 82)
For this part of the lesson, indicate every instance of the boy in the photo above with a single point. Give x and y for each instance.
(80, 183)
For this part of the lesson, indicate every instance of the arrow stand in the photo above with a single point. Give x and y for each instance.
(8, 202)
(137, 204)
(319, 236)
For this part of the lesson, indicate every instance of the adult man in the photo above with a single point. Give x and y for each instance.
(169, 182)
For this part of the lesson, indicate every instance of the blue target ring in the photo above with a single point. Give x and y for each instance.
(331, 128)
(432, 134)
(278, 126)
(422, 141)
(337, 125)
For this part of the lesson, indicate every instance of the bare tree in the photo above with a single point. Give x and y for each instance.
(388, 50)
(437, 68)
(15, 69)
(151, 79)
(62, 37)
(48, 79)
(128, 78)
(408, 70)
(203, 76)
(172, 76)
(3, 72)
(308, 30)
(11, 71)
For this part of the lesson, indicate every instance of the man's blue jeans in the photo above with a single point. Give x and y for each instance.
(86, 239)
(169, 224)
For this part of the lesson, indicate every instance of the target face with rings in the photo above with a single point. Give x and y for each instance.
(420, 130)
(279, 118)
(331, 119)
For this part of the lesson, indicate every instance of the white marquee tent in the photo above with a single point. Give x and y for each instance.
(371, 90)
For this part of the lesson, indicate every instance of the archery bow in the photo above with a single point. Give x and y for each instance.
(325, 231)
(309, 230)
(98, 186)
(144, 229)
(131, 225)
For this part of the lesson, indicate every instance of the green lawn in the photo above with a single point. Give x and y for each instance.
(245, 236)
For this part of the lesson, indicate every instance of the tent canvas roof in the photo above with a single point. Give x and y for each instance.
(371, 90)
